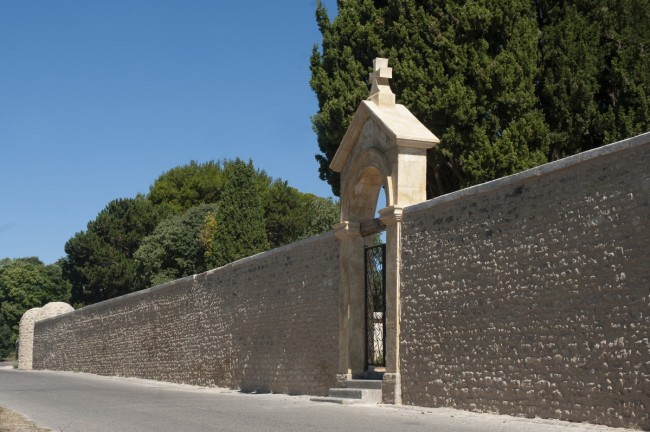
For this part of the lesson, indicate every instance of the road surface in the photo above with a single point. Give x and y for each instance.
(74, 402)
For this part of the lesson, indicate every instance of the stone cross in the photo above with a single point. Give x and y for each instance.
(380, 92)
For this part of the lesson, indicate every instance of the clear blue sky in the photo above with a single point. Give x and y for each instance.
(98, 98)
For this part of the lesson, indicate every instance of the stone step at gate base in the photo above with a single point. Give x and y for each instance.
(355, 391)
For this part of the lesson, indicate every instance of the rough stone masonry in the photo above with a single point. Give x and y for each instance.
(266, 323)
(530, 295)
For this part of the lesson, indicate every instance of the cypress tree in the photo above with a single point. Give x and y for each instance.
(505, 84)
(339, 73)
(240, 218)
(596, 72)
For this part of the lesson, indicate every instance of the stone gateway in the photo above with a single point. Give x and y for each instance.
(528, 295)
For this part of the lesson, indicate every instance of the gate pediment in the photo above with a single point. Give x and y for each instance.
(385, 145)
(397, 122)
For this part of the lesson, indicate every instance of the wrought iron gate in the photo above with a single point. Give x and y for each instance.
(375, 305)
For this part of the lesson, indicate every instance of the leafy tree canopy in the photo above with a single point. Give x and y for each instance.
(506, 85)
(175, 248)
(186, 186)
(26, 283)
(291, 215)
(181, 227)
(324, 213)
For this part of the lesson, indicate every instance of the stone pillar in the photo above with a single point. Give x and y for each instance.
(26, 338)
(391, 386)
(26, 330)
(351, 295)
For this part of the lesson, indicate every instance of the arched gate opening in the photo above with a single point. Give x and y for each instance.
(384, 148)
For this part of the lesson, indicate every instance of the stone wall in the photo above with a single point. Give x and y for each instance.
(264, 323)
(530, 295)
(26, 329)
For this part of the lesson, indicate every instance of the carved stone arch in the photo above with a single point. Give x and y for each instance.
(385, 145)
(359, 197)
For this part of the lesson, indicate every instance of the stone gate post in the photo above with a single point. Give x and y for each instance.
(351, 297)
(385, 147)
(391, 387)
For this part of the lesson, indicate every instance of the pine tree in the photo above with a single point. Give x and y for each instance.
(99, 262)
(240, 217)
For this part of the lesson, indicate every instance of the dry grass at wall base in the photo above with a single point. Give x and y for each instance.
(12, 421)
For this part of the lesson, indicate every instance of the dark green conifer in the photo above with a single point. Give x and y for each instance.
(240, 217)
(505, 84)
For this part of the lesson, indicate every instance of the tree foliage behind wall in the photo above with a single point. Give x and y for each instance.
(186, 186)
(595, 85)
(291, 215)
(195, 217)
(26, 283)
(240, 217)
(506, 84)
(99, 261)
(174, 249)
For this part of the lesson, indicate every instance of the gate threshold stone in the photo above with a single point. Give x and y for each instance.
(356, 391)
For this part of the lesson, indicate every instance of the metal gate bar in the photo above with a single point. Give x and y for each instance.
(375, 269)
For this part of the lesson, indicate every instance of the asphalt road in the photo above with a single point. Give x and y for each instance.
(72, 402)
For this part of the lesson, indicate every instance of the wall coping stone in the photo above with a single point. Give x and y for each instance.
(542, 170)
(174, 283)
(283, 248)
